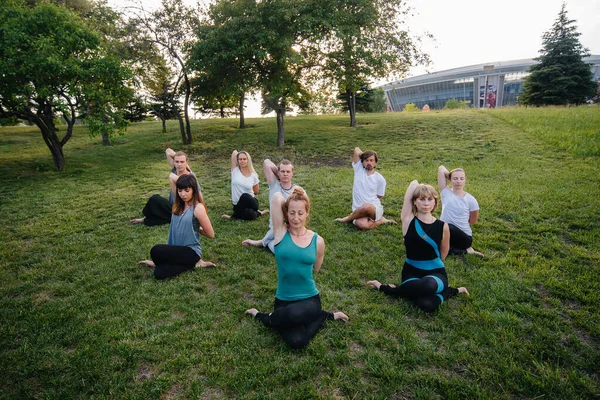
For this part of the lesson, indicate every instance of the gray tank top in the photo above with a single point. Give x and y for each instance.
(185, 231)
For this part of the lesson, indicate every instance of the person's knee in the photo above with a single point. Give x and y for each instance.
(363, 223)
(427, 304)
(297, 342)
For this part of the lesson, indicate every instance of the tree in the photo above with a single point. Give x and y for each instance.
(52, 64)
(367, 100)
(561, 77)
(163, 100)
(171, 28)
(365, 40)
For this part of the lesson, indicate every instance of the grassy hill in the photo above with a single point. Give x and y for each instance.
(80, 318)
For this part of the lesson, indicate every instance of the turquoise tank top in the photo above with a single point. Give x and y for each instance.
(295, 269)
(185, 231)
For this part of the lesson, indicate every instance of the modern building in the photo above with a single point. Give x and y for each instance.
(484, 85)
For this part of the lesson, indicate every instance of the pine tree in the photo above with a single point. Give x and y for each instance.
(561, 77)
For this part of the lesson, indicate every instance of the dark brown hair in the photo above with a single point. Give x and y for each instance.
(183, 182)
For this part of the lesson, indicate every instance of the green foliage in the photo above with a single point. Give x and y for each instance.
(80, 318)
(561, 77)
(410, 107)
(367, 100)
(454, 104)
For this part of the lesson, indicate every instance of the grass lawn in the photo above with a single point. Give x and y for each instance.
(80, 318)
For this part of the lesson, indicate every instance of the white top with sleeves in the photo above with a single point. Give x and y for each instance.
(240, 184)
(366, 187)
(456, 210)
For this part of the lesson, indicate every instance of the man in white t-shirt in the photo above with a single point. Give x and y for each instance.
(279, 179)
(368, 189)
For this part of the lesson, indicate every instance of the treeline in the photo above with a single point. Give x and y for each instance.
(81, 60)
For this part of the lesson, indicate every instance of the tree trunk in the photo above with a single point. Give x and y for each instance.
(188, 92)
(242, 122)
(351, 100)
(48, 130)
(280, 111)
(182, 129)
(222, 112)
(105, 140)
(164, 125)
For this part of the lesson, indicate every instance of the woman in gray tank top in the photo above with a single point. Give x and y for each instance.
(189, 220)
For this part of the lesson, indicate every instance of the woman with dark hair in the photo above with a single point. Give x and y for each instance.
(189, 220)
(426, 239)
(299, 253)
(244, 188)
(157, 210)
(460, 210)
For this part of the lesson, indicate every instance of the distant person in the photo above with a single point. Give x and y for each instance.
(460, 210)
(157, 210)
(183, 251)
(244, 188)
(426, 239)
(280, 181)
(369, 188)
(299, 253)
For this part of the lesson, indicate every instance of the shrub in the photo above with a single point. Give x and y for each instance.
(454, 104)
(410, 107)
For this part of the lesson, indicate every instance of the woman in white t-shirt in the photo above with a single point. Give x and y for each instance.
(244, 186)
(460, 210)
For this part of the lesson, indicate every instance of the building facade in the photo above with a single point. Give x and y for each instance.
(480, 86)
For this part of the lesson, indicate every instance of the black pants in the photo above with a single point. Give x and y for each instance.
(459, 241)
(171, 261)
(157, 211)
(246, 208)
(296, 321)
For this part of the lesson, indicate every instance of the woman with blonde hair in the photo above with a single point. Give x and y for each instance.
(460, 210)
(244, 188)
(299, 253)
(426, 239)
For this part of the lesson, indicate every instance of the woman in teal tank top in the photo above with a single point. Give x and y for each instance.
(299, 253)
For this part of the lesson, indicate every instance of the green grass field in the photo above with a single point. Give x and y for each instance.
(80, 318)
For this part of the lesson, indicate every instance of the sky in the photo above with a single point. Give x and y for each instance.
(469, 32)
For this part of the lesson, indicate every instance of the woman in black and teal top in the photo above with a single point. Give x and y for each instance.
(189, 220)
(427, 240)
(299, 253)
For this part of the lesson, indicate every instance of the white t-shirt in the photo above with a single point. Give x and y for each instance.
(456, 210)
(240, 184)
(366, 187)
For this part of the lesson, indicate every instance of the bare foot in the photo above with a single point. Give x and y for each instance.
(471, 250)
(464, 290)
(263, 212)
(252, 311)
(250, 242)
(225, 216)
(205, 264)
(389, 221)
(340, 315)
(374, 284)
(137, 220)
(149, 263)
(342, 220)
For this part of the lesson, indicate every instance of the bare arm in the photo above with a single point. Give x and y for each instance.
(173, 182)
(279, 227)
(170, 157)
(356, 155)
(443, 175)
(445, 245)
(255, 189)
(407, 207)
(473, 217)
(234, 162)
(271, 171)
(320, 254)
(205, 225)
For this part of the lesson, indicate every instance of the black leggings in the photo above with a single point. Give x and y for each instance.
(296, 321)
(459, 240)
(157, 211)
(171, 260)
(246, 208)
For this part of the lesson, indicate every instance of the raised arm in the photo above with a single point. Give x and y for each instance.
(320, 254)
(279, 227)
(205, 225)
(356, 155)
(407, 207)
(271, 171)
(170, 157)
(234, 161)
(443, 176)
